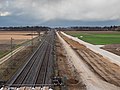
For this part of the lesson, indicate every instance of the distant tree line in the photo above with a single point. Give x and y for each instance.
(106, 28)
(27, 28)
(43, 28)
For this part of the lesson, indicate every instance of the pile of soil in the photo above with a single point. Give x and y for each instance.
(114, 48)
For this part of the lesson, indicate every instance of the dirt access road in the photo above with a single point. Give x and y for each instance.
(112, 57)
(65, 69)
(96, 75)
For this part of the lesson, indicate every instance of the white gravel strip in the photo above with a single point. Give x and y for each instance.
(110, 56)
(100, 46)
(2, 60)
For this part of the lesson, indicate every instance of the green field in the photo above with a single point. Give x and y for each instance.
(98, 38)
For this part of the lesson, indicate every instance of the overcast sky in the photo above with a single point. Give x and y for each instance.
(59, 12)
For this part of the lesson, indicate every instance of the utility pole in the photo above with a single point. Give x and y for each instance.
(32, 40)
(11, 46)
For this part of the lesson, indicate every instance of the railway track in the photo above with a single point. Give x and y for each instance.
(39, 68)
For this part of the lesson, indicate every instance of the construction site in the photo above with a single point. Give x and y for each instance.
(55, 60)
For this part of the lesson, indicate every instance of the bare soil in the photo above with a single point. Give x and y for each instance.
(17, 36)
(4, 47)
(101, 66)
(114, 48)
(66, 70)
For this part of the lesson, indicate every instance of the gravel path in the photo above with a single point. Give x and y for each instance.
(112, 57)
(2, 60)
(90, 79)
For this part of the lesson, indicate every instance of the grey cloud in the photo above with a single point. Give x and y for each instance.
(46, 10)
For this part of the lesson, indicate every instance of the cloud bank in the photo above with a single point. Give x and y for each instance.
(47, 10)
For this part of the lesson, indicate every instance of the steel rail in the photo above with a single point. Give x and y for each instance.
(38, 69)
(12, 80)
